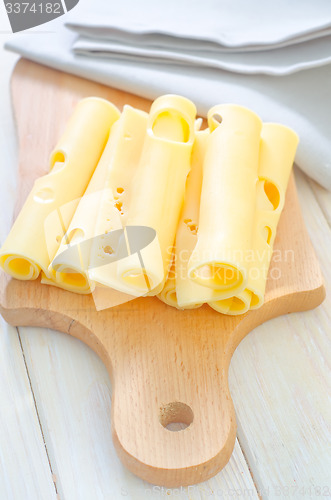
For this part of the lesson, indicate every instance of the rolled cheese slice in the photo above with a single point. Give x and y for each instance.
(99, 211)
(28, 247)
(233, 306)
(168, 293)
(277, 152)
(227, 205)
(45, 280)
(159, 186)
(278, 148)
(180, 291)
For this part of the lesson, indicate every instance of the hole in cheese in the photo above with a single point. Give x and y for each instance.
(191, 225)
(108, 249)
(172, 126)
(272, 193)
(57, 160)
(119, 205)
(267, 234)
(216, 120)
(193, 228)
(267, 195)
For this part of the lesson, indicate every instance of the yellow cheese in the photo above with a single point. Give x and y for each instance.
(70, 264)
(114, 209)
(159, 186)
(98, 211)
(144, 223)
(278, 147)
(28, 247)
(179, 290)
(184, 238)
(227, 205)
(45, 280)
(233, 306)
(168, 293)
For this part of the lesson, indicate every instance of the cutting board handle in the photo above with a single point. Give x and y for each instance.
(177, 392)
(173, 420)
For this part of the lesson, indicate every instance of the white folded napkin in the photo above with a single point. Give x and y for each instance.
(300, 100)
(279, 61)
(235, 24)
(245, 37)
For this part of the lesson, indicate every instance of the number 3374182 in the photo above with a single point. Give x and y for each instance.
(35, 7)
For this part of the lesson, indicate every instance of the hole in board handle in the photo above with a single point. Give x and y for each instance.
(176, 416)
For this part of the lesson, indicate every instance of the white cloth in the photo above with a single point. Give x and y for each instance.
(301, 100)
(228, 23)
(255, 36)
(279, 61)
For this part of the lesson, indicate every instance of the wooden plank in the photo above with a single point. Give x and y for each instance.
(280, 382)
(24, 466)
(323, 198)
(73, 394)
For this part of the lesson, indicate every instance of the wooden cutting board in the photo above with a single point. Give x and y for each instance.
(165, 365)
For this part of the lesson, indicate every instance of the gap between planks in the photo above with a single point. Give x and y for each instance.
(37, 412)
(248, 467)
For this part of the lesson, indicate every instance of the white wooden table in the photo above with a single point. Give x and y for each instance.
(55, 394)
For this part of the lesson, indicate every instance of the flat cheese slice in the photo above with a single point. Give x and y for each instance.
(28, 248)
(227, 205)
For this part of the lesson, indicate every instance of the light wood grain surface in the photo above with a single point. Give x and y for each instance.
(57, 392)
